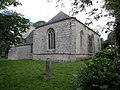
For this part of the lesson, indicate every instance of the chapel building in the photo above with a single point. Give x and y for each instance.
(61, 38)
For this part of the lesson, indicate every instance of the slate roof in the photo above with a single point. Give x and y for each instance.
(60, 16)
(28, 40)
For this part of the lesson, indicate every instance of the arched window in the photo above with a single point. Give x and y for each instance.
(98, 44)
(91, 44)
(51, 39)
(81, 39)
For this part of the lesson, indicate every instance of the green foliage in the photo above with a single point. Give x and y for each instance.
(117, 34)
(110, 54)
(105, 44)
(100, 73)
(11, 26)
(111, 38)
(5, 3)
(110, 42)
(30, 75)
(112, 7)
(39, 23)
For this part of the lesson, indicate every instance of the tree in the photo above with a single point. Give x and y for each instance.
(12, 25)
(110, 42)
(5, 3)
(111, 39)
(38, 23)
(113, 7)
(105, 44)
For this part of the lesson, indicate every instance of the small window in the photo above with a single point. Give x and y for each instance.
(51, 39)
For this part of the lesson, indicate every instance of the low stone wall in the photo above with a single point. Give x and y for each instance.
(20, 52)
(12, 55)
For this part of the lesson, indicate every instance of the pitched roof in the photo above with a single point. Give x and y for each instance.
(29, 38)
(60, 16)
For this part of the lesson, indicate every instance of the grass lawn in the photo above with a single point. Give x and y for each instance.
(30, 75)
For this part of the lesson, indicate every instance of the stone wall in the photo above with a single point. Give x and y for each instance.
(86, 31)
(79, 49)
(20, 52)
(67, 41)
(62, 41)
(12, 54)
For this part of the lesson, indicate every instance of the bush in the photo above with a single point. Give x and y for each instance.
(100, 73)
(110, 54)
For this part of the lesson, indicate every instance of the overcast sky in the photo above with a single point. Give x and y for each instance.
(36, 10)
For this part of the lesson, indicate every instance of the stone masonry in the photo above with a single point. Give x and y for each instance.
(70, 45)
(67, 41)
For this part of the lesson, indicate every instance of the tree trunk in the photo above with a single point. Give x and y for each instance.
(117, 34)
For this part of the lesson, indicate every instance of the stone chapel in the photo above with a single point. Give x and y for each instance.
(61, 38)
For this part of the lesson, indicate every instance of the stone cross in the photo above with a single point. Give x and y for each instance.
(48, 68)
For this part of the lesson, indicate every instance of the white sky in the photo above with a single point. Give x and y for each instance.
(36, 10)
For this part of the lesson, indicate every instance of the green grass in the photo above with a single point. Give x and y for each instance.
(30, 75)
